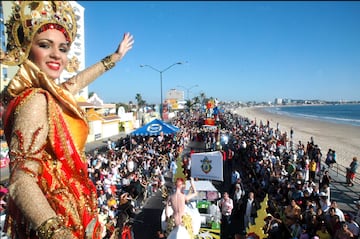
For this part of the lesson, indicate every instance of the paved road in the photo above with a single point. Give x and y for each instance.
(148, 221)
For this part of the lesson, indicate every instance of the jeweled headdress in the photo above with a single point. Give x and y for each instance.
(30, 17)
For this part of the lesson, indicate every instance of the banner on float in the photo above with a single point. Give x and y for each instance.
(207, 165)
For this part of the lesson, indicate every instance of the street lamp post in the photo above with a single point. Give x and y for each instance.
(188, 90)
(161, 90)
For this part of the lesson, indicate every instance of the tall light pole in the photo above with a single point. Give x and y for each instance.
(161, 90)
(188, 90)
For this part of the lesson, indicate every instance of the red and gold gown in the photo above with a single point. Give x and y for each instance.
(46, 132)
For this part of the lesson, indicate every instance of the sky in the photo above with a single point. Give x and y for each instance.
(231, 50)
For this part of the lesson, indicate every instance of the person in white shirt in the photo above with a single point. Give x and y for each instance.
(324, 202)
(130, 165)
(226, 205)
(173, 168)
(338, 211)
(157, 170)
(160, 138)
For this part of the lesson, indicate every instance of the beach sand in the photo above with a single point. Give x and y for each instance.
(344, 139)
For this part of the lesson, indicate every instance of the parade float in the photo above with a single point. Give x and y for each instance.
(212, 113)
(205, 221)
(256, 231)
(207, 168)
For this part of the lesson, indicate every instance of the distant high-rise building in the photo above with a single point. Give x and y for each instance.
(278, 101)
(3, 69)
(175, 94)
(77, 52)
(2, 27)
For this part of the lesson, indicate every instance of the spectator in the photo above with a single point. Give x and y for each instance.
(312, 170)
(235, 175)
(338, 211)
(292, 213)
(239, 192)
(353, 226)
(226, 206)
(324, 202)
(323, 233)
(2, 203)
(325, 179)
(351, 171)
(295, 229)
(251, 207)
(343, 232)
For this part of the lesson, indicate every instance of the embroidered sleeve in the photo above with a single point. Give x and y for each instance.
(84, 78)
(28, 140)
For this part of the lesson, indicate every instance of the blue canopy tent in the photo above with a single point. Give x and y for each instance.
(155, 127)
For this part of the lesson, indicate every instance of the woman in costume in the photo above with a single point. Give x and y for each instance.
(51, 195)
(181, 219)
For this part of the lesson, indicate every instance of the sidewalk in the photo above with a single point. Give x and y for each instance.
(344, 195)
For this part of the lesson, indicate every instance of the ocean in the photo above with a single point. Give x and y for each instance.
(348, 114)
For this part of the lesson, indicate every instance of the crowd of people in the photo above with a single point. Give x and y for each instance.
(57, 191)
(257, 162)
(263, 161)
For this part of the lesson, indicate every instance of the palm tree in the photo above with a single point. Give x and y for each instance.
(138, 99)
(140, 103)
(202, 98)
(196, 100)
(188, 105)
(126, 106)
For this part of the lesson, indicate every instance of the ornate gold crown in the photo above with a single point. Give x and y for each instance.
(28, 18)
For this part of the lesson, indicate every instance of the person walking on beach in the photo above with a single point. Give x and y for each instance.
(350, 174)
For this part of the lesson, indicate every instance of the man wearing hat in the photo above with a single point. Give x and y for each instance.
(324, 202)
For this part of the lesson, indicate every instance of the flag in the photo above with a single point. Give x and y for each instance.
(207, 165)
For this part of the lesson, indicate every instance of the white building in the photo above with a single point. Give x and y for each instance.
(278, 101)
(77, 52)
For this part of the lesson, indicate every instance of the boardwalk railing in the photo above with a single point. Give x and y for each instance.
(340, 170)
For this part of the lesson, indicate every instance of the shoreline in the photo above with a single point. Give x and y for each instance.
(344, 139)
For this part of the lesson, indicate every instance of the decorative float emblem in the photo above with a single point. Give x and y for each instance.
(206, 165)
